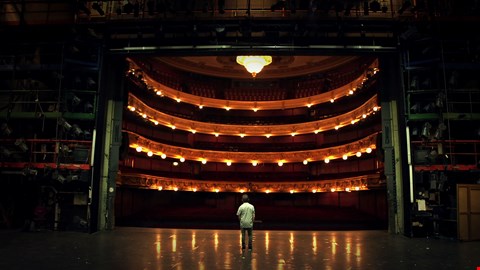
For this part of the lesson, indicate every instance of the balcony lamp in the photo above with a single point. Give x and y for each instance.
(254, 63)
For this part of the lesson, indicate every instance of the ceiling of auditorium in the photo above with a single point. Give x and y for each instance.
(281, 67)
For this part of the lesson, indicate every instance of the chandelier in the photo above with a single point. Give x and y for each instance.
(254, 63)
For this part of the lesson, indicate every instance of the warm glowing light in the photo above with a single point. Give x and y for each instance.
(332, 189)
(227, 108)
(332, 100)
(317, 131)
(229, 163)
(242, 135)
(173, 127)
(217, 190)
(200, 106)
(158, 92)
(182, 159)
(204, 161)
(193, 131)
(242, 190)
(216, 134)
(309, 105)
(292, 191)
(293, 134)
(255, 109)
(347, 189)
(254, 63)
(314, 191)
(254, 163)
(194, 189)
(144, 115)
(163, 156)
(375, 108)
(178, 100)
(131, 108)
(357, 188)
(350, 92)
(139, 149)
(345, 157)
(155, 122)
(175, 188)
(305, 162)
(359, 154)
(175, 163)
(368, 150)
(337, 127)
(149, 153)
(327, 160)
(268, 135)
(160, 188)
(364, 116)
(280, 163)
(353, 122)
(267, 191)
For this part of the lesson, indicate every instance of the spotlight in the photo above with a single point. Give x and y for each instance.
(88, 107)
(6, 130)
(426, 130)
(5, 152)
(20, 143)
(62, 122)
(76, 130)
(439, 100)
(439, 131)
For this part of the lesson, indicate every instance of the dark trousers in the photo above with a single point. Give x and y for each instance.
(249, 232)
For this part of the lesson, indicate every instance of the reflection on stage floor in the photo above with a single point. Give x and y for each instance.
(152, 248)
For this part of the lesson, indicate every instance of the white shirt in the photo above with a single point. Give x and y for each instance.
(246, 213)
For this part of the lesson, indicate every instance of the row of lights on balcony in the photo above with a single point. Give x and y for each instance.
(242, 135)
(255, 108)
(291, 191)
(280, 163)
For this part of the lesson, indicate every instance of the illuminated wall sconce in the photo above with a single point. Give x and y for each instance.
(139, 149)
(182, 159)
(305, 162)
(327, 160)
(163, 156)
(280, 163)
(204, 161)
(254, 163)
(368, 150)
(160, 188)
(229, 163)
(345, 157)
(149, 153)
(359, 154)
(175, 188)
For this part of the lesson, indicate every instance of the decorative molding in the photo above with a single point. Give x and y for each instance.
(157, 117)
(175, 94)
(146, 145)
(356, 183)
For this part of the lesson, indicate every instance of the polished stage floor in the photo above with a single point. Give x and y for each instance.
(186, 249)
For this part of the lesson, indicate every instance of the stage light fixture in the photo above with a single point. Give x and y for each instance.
(20, 143)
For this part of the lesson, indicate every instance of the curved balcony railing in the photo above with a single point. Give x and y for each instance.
(365, 145)
(137, 106)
